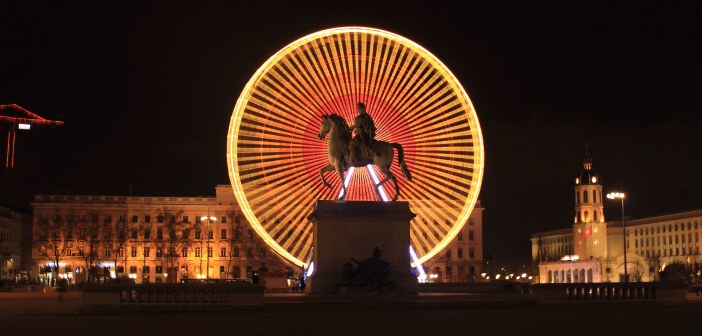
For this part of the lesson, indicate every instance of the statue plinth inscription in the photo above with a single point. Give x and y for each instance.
(352, 231)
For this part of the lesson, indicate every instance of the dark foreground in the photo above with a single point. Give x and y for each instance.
(23, 314)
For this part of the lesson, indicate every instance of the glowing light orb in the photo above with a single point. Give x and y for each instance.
(274, 156)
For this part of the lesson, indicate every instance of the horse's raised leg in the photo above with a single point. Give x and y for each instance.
(328, 168)
(388, 176)
(340, 171)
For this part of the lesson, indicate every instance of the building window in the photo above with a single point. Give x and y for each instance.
(577, 197)
(134, 251)
(197, 252)
(471, 235)
(108, 233)
(159, 219)
(235, 252)
(471, 269)
(135, 219)
(159, 233)
(249, 253)
(159, 269)
(460, 235)
(108, 218)
(184, 253)
(159, 253)
(263, 252)
(449, 270)
(584, 196)
(223, 234)
(197, 234)
(147, 252)
(224, 219)
(223, 252)
(471, 253)
(147, 219)
(210, 252)
(249, 272)
(448, 253)
(460, 252)
(120, 252)
(594, 196)
(250, 232)
(146, 269)
(594, 213)
(132, 269)
(210, 234)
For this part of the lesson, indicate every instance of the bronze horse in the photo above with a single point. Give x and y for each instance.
(340, 160)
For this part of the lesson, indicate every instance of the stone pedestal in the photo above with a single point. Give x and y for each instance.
(352, 229)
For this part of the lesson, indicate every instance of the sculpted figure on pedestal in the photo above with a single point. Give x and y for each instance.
(344, 151)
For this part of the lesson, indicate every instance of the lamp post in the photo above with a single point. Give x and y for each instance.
(620, 195)
(209, 220)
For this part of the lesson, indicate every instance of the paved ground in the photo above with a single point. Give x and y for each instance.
(30, 313)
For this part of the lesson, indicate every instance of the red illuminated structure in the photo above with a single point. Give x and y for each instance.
(18, 122)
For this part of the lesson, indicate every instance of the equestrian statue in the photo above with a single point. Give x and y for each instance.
(345, 151)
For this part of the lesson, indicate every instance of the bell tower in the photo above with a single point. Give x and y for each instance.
(590, 231)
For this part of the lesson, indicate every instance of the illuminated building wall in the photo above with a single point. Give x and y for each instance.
(13, 245)
(73, 266)
(462, 258)
(652, 243)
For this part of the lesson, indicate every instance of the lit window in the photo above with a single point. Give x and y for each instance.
(577, 180)
(594, 179)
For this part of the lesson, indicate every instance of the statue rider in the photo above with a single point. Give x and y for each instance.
(365, 133)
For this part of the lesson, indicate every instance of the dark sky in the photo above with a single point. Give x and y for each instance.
(147, 91)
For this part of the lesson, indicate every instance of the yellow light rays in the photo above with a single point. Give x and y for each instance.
(274, 157)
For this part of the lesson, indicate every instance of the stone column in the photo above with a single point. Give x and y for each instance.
(352, 229)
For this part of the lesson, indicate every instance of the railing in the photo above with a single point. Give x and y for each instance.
(633, 291)
(130, 298)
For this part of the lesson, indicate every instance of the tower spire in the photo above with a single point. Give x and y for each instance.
(587, 161)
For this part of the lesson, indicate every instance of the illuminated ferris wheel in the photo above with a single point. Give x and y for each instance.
(274, 156)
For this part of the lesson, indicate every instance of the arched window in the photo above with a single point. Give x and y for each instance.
(550, 276)
(594, 196)
(577, 197)
(584, 196)
(563, 276)
(594, 213)
(582, 275)
(568, 278)
(589, 275)
(555, 277)
(575, 276)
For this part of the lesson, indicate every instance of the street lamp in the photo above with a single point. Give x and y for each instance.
(211, 219)
(619, 195)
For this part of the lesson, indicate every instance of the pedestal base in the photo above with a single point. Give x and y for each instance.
(352, 229)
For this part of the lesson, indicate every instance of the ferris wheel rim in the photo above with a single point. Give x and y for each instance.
(237, 115)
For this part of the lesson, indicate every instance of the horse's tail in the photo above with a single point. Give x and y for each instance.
(401, 161)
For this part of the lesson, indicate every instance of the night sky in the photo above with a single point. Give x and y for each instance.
(147, 91)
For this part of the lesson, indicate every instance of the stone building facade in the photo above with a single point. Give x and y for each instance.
(651, 243)
(15, 239)
(462, 259)
(147, 239)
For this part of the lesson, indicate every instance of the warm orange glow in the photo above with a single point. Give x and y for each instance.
(274, 157)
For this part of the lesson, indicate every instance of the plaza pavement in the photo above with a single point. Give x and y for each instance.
(33, 313)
